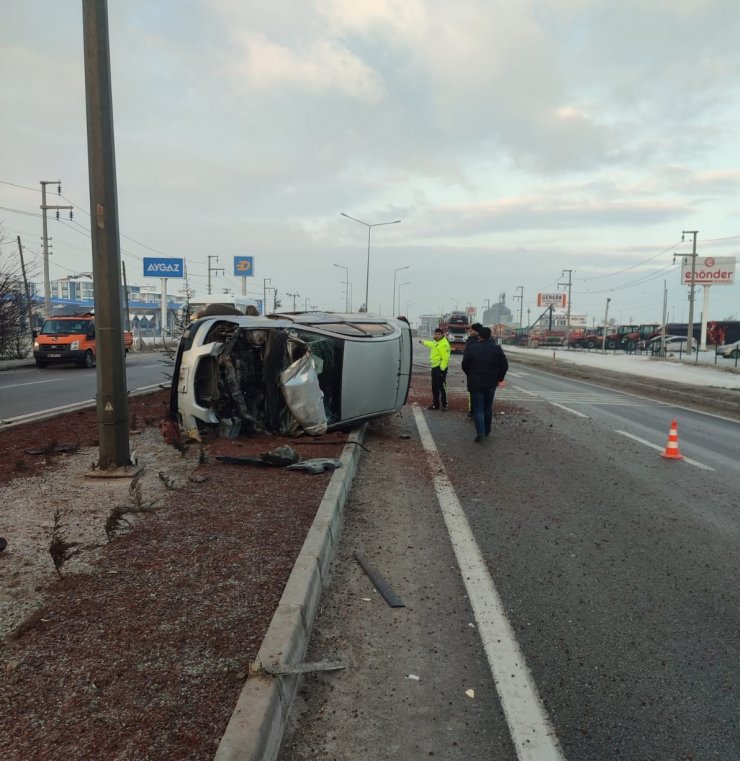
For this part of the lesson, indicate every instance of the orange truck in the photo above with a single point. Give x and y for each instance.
(69, 339)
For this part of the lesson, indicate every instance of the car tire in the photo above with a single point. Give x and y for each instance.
(735, 354)
(611, 344)
(88, 360)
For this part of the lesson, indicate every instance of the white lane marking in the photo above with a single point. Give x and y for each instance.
(32, 383)
(662, 449)
(568, 409)
(531, 731)
(525, 391)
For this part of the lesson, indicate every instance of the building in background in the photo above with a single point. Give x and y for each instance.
(498, 314)
(142, 304)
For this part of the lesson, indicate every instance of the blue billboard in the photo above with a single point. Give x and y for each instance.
(163, 267)
(243, 266)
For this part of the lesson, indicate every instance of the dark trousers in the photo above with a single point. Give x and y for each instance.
(482, 403)
(439, 386)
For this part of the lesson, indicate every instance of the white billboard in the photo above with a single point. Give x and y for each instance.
(555, 299)
(709, 270)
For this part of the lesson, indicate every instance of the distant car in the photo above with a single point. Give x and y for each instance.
(673, 345)
(731, 351)
(289, 373)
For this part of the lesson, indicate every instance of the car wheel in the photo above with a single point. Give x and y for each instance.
(89, 359)
(735, 353)
(611, 344)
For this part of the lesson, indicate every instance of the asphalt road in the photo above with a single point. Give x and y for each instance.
(28, 390)
(596, 612)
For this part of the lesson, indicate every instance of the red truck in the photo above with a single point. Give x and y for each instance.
(455, 326)
(70, 339)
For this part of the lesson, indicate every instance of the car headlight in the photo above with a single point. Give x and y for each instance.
(74, 345)
(35, 345)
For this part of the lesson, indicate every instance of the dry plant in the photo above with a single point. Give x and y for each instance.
(59, 548)
(169, 483)
(116, 520)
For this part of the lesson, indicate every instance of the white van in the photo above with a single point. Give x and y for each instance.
(288, 373)
(231, 299)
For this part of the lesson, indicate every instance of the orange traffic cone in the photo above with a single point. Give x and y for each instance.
(671, 448)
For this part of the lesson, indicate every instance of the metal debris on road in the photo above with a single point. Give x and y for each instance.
(379, 582)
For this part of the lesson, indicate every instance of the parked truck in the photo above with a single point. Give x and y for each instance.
(69, 339)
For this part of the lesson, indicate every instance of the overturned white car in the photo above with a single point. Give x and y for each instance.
(289, 373)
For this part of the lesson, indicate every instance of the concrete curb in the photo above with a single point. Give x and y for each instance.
(256, 726)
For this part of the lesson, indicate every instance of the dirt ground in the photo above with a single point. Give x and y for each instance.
(141, 647)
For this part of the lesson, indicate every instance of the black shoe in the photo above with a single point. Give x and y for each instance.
(480, 437)
(444, 409)
(432, 407)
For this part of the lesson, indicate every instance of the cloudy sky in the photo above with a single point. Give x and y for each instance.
(520, 143)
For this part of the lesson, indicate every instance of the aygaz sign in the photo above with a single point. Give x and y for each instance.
(163, 267)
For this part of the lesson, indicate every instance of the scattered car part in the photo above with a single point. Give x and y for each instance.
(379, 582)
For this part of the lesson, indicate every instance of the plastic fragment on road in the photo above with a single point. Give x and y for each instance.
(316, 465)
(284, 455)
(470, 693)
(413, 677)
(285, 669)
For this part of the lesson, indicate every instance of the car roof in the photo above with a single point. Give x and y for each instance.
(284, 320)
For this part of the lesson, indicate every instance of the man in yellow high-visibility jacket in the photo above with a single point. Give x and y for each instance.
(439, 359)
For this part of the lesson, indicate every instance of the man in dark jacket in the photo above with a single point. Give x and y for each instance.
(472, 338)
(485, 365)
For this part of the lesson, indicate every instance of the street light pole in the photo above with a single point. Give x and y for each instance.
(401, 285)
(369, 229)
(398, 269)
(346, 285)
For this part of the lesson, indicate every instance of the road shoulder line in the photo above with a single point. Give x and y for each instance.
(531, 730)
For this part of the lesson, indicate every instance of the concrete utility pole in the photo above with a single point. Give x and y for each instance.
(45, 239)
(112, 398)
(212, 269)
(293, 296)
(265, 281)
(29, 305)
(690, 326)
(567, 307)
(606, 318)
(520, 296)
